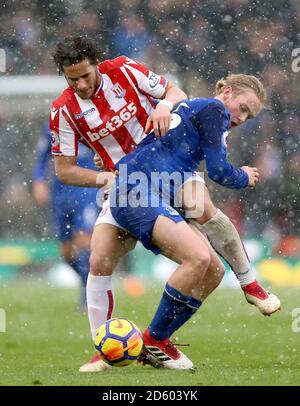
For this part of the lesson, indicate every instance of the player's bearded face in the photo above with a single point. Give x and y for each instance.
(242, 106)
(83, 78)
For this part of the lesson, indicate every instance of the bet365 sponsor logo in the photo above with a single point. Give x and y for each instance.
(114, 123)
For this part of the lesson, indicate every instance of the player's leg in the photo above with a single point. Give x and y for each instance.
(62, 219)
(178, 242)
(84, 215)
(108, 245)
(67, 250)
(81, 254)
(225, 239)
(205, 287)
(161, 229)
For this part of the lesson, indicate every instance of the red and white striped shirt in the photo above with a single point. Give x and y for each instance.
(113, 120)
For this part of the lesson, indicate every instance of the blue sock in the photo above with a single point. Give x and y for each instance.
(190, 308)
(171, 304)
(81, 264)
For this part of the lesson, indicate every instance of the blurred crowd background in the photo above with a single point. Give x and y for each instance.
(192, 42)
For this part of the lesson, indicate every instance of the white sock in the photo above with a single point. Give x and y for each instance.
(225, 239)
(100, 300)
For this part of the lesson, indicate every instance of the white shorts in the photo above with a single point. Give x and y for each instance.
(197, 177)
(105, 216)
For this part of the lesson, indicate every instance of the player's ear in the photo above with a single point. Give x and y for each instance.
(227, 92)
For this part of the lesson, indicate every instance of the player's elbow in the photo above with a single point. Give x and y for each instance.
(227, 177)
(63, 175)
(220, 175)
(216, 173)
(60, 175)
(64, 168)
(180, 94)
(183, 95)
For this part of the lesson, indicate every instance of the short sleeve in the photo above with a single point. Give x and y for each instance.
(64, 140)
(146, 81)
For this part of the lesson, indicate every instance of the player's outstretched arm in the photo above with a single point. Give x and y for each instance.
(41, 192)
(214, 121)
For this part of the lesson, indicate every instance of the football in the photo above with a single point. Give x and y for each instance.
(119, 341)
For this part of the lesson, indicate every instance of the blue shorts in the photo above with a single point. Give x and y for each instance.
(72, 214)
(139, 221)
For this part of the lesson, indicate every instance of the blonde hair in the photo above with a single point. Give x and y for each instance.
(240, 83)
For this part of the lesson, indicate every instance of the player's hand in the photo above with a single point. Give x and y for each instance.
(98, 161)
(253, 175)
(159, 120)
(106, 179)
(41, 193)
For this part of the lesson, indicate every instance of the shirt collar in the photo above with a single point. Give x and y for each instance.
(100, 85)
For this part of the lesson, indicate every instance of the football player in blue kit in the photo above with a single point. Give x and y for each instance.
(74, 209)
(197, 133)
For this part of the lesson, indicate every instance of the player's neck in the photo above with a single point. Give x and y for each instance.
(221, 98)
(99, 78)
(98, 82)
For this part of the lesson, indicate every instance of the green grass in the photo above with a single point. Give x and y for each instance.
(230, 342)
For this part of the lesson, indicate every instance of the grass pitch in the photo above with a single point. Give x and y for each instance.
(231, 343)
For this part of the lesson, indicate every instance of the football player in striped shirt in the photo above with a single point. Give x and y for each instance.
(109, 107)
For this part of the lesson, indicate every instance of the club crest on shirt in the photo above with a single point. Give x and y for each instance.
(153, 79)
(54, 139)
(118, 91)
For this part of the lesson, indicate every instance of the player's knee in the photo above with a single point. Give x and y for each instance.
(101, 264)
(205, 259)
(129, 244)
(67, 250)
(209, 211)
(219, 273)
(194, 211)
(194, 208)
(200, 260)
(82, 240)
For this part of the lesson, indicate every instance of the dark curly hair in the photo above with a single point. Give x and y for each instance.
(73, 50)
